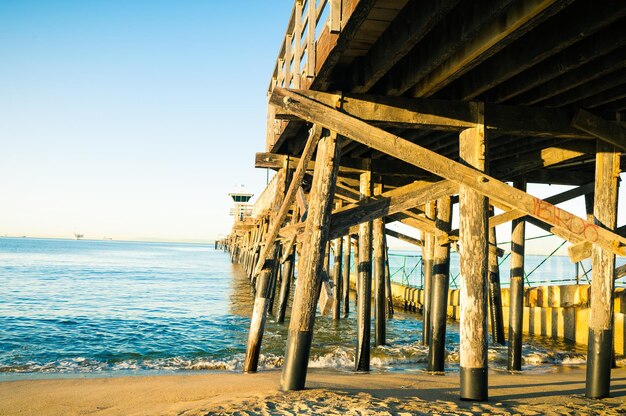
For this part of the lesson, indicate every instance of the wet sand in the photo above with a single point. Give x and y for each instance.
(560, 392)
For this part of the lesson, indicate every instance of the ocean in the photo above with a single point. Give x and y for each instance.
(113, 308)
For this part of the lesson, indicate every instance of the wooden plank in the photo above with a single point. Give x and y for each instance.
(310, 38)
(572, 58)
(554, 200)
(518, 165)
(569, 225)
(597, 68)
(460, 25)
(412, 24)
(513, 23)
(334, 17)
(296, 181)
(607, 131)
(575, 22)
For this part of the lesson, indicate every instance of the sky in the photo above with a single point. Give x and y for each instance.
(133, 120)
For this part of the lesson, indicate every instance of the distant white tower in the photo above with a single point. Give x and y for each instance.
(240, 198)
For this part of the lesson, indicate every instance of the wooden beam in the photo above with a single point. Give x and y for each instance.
(403, 237)
(353, 14)
(449, 115)
(620, 272)
(576, 23)
(387, 204)
(278, 220)
(554, 200)
(516, 21)
(607, 131)
(268, 160)
(411, 25)
(587, 50)
(521, 164)
(581, 251)
(569, 225)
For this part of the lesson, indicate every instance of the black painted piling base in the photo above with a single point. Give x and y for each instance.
(296, 360)
(599, 357)
(474, 384)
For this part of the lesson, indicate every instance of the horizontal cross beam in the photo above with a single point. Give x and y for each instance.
(572, 227)
(447, 115)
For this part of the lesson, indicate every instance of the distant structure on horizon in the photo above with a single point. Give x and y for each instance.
(78, 236)
(242, 208)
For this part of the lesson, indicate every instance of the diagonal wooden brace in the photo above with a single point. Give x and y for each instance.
(572, 227)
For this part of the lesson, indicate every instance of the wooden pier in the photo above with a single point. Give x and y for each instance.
(393, 110)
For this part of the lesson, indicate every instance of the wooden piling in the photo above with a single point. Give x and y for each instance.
(516, 302)
(310, 264)
(285, 284)
(427, 264)
(441, 279)
(388, 280)
(473, 233)
(337, 260)
(347, 248)
(259, 315)
(364, 285)
(276, 277)
(378, 241)
(495, 290)
(600, 343)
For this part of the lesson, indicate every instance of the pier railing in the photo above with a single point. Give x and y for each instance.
(296, 62)
(550, 269)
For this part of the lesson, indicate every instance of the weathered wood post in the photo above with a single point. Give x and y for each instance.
(473, 229)
(276, 276)
(388, 281)
(495, 290)
(337, 244)
(378, 241)
(600, 344)
(364, 284)
(356, 268)
(259, 315)
(345, 280)
(427, 263)
(516, 302)
(310, 265)
(441, 278)
(285, 284)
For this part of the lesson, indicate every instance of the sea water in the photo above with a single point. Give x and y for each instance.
(76, 308)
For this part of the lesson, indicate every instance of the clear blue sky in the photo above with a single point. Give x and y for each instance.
(132, 119)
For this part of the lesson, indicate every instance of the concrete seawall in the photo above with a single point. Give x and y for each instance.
(553, 311)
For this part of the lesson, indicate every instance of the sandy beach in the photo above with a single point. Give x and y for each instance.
(405, 393)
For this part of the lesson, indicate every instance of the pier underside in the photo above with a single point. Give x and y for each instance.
(394, 110)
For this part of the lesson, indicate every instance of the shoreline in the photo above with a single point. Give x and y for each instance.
(328, 392)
